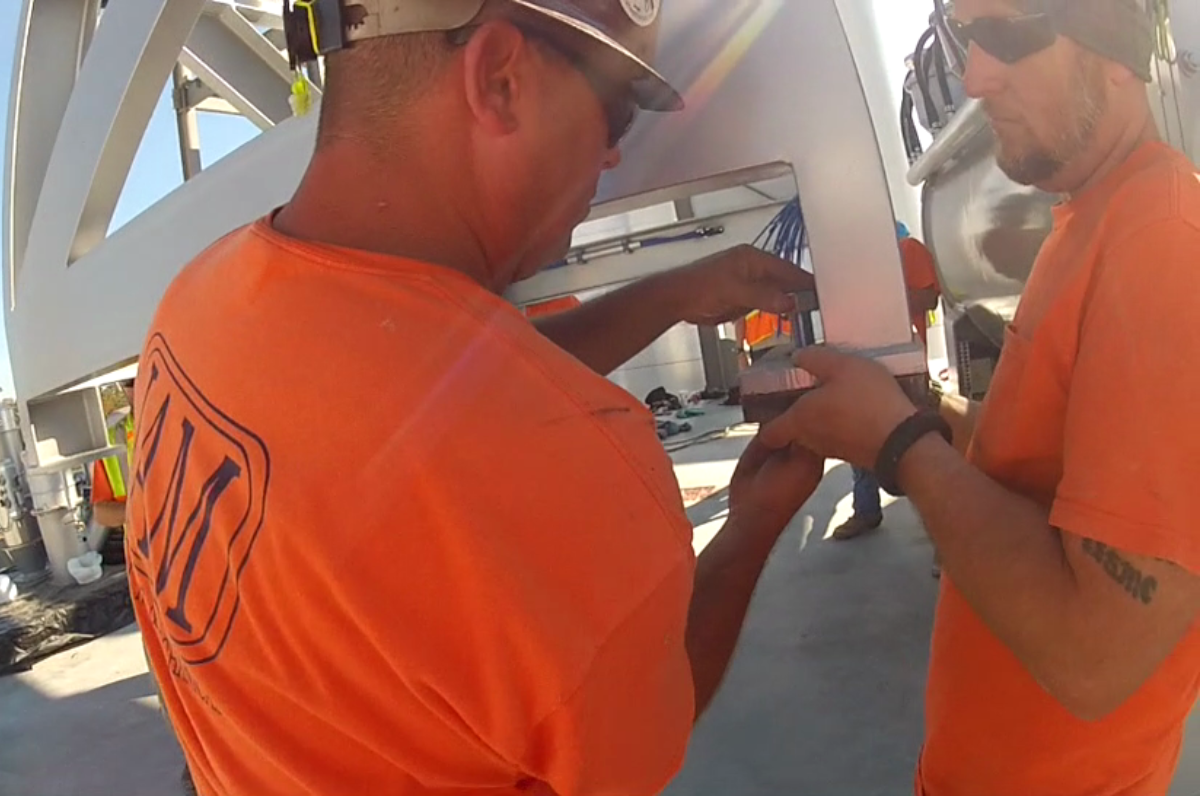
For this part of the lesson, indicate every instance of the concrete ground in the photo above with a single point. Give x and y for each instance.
(824, 696)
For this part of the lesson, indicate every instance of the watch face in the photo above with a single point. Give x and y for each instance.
(643, 12)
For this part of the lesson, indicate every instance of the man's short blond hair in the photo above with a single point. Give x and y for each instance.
(369, 86)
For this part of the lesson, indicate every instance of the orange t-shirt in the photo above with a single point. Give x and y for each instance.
(371, 561)
(1092, 414)
(919, 274)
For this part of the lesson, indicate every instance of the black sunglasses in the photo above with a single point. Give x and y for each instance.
(616, 97)
(1008, 39)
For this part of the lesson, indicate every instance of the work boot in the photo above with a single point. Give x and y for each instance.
(857, 526)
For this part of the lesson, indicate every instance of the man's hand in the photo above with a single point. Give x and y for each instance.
(608, 331)
(733, 283)
(770, 485)
(849, 416)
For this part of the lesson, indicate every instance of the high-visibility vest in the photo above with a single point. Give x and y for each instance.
(765, 329)
(112, 464)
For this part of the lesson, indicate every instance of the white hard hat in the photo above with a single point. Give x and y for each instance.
(628, 27)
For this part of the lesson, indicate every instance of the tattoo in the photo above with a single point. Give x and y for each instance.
(1127, 576)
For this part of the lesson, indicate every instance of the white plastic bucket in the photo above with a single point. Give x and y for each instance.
(86, 568)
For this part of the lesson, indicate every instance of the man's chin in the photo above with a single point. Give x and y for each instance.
(1030, 169)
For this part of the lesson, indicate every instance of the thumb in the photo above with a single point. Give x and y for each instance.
(789, 428)
(821, 361)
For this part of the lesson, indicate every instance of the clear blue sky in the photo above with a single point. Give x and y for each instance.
(156, 170)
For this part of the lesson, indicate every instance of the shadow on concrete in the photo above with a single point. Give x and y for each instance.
(87, 722)
(825, 695)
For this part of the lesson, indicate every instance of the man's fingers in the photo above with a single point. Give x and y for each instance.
(788, 428)
(769, 299)
(821, 361)
(786, 275)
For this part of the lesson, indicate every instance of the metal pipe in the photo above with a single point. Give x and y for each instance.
(963, 127)
(186, 126)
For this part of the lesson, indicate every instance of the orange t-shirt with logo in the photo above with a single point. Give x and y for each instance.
(371, 561)
(1092, 413)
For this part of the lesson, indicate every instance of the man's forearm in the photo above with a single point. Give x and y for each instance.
(109, 514)
(1008, 562)
(607, 332)
(726, 576)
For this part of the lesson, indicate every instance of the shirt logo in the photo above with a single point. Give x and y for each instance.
(642, 12)
(199, 497)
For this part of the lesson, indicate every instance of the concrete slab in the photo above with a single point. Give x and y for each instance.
(825, 693)
(86, 721)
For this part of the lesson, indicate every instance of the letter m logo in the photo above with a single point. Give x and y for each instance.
(196, 506)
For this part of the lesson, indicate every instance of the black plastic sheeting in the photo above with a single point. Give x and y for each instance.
(50, 618)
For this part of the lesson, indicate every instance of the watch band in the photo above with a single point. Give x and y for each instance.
(898, 443)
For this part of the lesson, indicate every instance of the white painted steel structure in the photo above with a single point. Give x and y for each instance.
(770, 83)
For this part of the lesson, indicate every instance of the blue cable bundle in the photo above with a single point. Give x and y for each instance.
(786, 237)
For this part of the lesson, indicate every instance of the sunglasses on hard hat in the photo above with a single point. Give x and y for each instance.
(1007, 39)
(616, 96)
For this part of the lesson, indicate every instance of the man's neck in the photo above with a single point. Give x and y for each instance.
(1077, 177)
(357, 202)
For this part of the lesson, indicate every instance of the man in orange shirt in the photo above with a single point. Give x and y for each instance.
(484, 581)
(1065, 654)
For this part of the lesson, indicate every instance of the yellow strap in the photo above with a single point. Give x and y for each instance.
(112, 469)
(307, 5)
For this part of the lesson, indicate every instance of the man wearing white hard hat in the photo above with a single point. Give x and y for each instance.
(484, 581)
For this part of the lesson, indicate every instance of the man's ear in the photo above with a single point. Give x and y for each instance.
(494, 76)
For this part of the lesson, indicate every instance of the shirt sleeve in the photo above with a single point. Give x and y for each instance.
(624, 732)
(1131, 452)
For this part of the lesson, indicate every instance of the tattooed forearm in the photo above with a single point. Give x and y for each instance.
(1140, 587)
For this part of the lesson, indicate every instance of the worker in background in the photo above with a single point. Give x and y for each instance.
(760, 332)
(920, 280)
(109, 480)
(1066, 653)
(484, 582)
(110, 489)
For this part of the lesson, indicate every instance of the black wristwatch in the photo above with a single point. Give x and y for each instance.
(901, 440)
